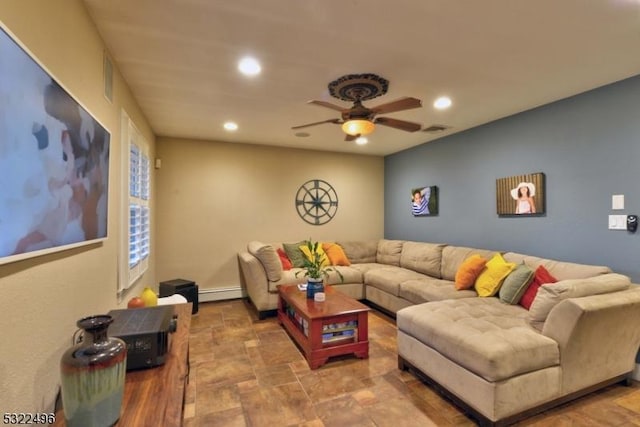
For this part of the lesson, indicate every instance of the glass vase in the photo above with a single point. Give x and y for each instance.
(92, 376)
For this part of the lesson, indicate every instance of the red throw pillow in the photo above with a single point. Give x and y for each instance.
(284, 259)
(541, 277)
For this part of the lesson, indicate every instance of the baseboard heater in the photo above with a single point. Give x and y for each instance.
(221, 294)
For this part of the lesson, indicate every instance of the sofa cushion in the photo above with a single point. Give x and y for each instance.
(319, 254)
(540, 277)
(489, 281)
(336, 254)
(559, 269)
(268, 258)
(288, 278)
(294, 253)
(388, 278)
(349, 275)
(485, 336)
(360, 252)
(515, 284)
(422, 257)
(284, 259)
(469, 271)
(431, 289)
(454, 256)
(389, 252)
(549, 296)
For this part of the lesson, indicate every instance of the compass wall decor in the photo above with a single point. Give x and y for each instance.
(316, 202)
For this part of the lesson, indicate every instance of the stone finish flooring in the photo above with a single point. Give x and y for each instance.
(248, 372)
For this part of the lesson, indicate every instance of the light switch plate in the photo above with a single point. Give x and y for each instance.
(617, 202)
(617, 222)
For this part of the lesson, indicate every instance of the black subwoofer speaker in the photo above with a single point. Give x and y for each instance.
(186, 288)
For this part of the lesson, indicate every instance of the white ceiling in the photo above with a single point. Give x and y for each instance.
(494, 58)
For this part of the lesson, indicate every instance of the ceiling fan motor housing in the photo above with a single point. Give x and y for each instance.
(358, 87)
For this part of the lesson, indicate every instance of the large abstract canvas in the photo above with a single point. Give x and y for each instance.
(54, 162)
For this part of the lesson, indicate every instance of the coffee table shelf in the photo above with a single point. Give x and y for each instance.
(336, 326)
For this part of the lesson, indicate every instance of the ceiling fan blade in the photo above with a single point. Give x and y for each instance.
(336, 121)
(328, 105)
(406, 103)
(398, 124)
(349, 138)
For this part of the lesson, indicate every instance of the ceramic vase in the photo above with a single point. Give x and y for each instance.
(92, 376)
(314, 286)
(149, 297)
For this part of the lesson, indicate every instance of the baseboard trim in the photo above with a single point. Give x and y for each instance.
(220, 294)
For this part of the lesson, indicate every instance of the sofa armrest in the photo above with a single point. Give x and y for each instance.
(598, 337)
(253, 278)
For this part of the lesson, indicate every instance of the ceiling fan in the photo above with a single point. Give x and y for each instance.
(360, 120)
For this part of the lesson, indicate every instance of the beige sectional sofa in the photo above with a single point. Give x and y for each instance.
(500, 361)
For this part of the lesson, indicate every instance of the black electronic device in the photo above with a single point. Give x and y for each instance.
(147, 333)
(632, 223)
(186, 288)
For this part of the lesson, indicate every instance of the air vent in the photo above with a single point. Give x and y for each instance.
(435, 128)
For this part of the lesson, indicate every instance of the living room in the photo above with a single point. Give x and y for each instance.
(211, 197)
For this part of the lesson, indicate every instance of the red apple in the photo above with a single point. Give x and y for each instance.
(135, 302)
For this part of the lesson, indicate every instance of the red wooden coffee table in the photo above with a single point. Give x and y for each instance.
(334, 327)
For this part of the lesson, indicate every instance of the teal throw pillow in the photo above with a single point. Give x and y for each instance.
(515, 284)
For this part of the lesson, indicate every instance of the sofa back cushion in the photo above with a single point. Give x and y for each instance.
(550, 295)
(360, 252)
(454, 256)
(268, 257)
(422, 257)
(559, 269)
(389, 252)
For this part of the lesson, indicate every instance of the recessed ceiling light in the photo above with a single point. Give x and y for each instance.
(231, 126)
(442, 103)
(361, 140)
(249, 66)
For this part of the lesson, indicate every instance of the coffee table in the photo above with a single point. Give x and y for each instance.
(334, 327)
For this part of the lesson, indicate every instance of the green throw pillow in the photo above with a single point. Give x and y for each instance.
(294, 253)
(515, 284)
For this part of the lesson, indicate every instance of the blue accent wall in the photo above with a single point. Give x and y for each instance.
(588, 146)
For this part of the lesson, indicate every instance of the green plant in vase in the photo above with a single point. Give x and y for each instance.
(316, 268)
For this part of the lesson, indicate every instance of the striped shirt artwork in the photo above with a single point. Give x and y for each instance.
(422, 208)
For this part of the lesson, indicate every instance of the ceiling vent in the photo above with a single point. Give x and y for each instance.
(435, 128)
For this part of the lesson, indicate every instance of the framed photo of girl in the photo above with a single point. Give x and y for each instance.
(521, 195)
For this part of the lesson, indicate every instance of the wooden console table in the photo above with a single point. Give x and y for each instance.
(155, 396)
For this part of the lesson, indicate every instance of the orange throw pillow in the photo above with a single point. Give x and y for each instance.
(468, 271)
(336, 254)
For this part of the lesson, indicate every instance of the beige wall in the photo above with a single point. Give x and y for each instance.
(42, 298)
(214, 197)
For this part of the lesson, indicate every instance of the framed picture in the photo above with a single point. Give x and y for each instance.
(521, 195)
(424, 201)
(54, 162)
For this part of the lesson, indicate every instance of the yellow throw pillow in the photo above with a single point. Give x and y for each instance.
(489, 281)
(469, 271)
(323, 256)
(336, 254)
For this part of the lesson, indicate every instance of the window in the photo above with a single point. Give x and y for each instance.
(137, 224)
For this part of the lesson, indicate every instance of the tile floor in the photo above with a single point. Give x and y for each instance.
(247, 372)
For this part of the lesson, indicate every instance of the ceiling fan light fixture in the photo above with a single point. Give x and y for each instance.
(358, 127)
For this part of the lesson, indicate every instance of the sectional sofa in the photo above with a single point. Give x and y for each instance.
(495, 358)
